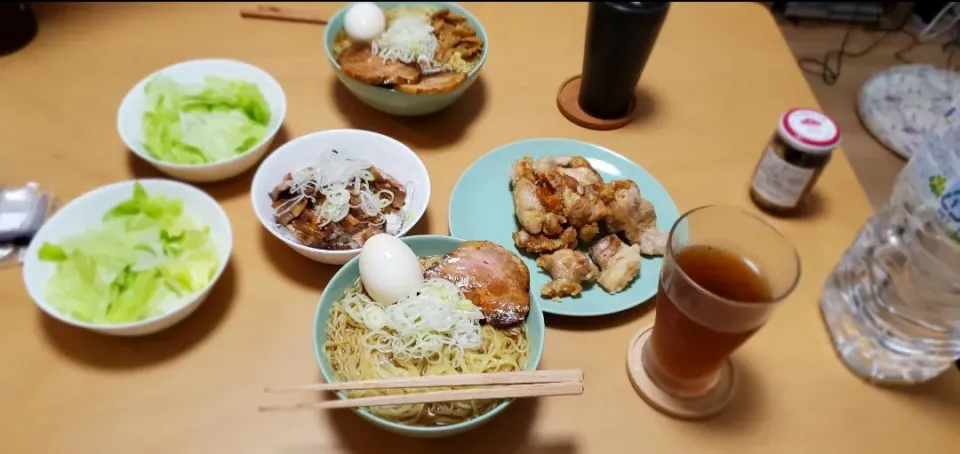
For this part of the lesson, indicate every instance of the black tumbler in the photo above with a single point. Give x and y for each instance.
(620, 36)
(18, 26)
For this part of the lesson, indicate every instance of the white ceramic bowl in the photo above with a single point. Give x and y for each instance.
(130, 117)
(387, 154)
(87, 210)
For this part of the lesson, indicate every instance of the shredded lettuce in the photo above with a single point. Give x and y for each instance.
(203, 123)
(146, 253)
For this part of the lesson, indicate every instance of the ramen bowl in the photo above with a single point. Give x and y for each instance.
(395, 102)
(422, 245)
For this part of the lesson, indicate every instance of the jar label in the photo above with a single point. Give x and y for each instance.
(780, 182)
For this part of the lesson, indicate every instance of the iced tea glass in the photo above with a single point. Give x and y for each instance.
(724, 272)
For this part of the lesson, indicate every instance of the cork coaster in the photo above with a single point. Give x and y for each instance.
(567, 102)
(679, 407)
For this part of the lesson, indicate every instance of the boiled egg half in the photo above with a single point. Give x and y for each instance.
(389, 269)
(364, 22)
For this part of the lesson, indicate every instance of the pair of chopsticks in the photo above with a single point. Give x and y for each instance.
(499, 385)
(285, 14)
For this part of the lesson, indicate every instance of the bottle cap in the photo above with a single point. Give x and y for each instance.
(809, 130)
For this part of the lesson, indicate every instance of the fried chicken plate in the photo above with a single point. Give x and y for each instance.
(562, 202)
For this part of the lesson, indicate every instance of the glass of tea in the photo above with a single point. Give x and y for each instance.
(724, 272)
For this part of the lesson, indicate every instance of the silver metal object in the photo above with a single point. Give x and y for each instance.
(22, 212)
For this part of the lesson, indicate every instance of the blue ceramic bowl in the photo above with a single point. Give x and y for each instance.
(394, 102)
(422, 245)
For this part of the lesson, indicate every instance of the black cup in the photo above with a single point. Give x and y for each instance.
(620, 36)
(18, 26)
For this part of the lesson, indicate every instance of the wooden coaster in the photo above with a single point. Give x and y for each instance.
(567, 102)
(679, 407)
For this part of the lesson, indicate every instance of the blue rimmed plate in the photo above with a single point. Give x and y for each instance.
(481, 208)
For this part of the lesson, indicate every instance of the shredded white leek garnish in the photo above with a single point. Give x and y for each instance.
(336, 178)
(419, 325)
(410, 39)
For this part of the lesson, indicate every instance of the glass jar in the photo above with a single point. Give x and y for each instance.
(793, 160)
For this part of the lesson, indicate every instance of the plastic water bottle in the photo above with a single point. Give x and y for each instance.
(892, 304)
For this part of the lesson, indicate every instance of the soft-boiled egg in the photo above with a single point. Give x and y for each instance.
(389, 269)
(364, 22)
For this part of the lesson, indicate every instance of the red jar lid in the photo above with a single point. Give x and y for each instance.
(809, 130)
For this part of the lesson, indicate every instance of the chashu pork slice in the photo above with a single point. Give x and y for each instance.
(434, 83)
(494, 278)
(359, 63)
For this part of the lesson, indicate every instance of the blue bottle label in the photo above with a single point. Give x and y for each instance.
(948, 209)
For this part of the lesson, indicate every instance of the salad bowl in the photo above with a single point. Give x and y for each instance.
(87, 212)
(130, 117)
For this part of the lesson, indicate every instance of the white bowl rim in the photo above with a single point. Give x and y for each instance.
(41, 301)
(269, 136)
(341, 252)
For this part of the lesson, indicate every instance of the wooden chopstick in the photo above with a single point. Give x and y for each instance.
(501, 392)
(498, 378)
(284, 14)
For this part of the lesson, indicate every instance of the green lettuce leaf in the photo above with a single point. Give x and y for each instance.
(145, 255)
(203, 123)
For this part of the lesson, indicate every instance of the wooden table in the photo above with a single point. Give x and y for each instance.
(715, 85)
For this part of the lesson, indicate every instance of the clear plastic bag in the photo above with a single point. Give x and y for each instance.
(23, 211)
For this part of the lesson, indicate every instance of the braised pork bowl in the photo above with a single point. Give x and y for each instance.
(326, 193)
(406, 59)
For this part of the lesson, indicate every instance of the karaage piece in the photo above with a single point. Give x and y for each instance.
(589, 232)
(619, 263)
(574, 166)
(581, 205)
(532, 214)
(522, 168)
(552, 194)
(569, 269)
(633, 215)
(653, 241)
(539, 243)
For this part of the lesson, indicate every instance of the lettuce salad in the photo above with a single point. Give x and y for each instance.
(203, 123)
(146, 253)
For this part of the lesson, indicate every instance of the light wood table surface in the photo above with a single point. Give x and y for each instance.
(718, 79)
